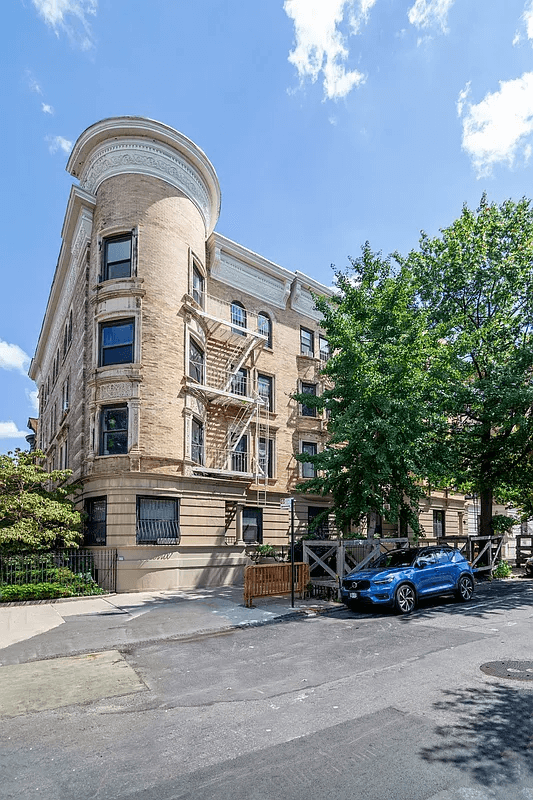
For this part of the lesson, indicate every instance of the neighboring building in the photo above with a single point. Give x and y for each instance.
(167, 362)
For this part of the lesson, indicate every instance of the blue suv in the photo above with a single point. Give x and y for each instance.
(401, 577)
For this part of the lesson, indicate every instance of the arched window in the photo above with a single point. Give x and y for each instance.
(238, 317)
(264, 326)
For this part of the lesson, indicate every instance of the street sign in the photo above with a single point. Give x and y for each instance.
(286, 503)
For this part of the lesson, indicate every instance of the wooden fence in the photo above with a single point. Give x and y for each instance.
(262, 580)
(331, 560)
(524, 548)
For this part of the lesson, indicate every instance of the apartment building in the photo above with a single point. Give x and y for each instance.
(166, 368)
(167, 363)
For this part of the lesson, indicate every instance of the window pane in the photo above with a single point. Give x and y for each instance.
(264, 326)
(157, 521)
(324, 348)
(197, 286)
(117, 355)
(121, 269)
(115, 443)
(119, 250)
(306, 342)
(308, 411)
(264, 388)
(196, 362)
(239, 382)
(117, 334)
(115, 419)
(238, 317)
(308, 469)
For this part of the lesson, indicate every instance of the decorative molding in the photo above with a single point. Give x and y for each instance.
(302, 302)
(250, 280)
(136, 156)
(80, 240)
(112, 391)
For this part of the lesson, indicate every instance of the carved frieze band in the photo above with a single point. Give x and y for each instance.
(113, 391)
(156, 160)
(249, 279)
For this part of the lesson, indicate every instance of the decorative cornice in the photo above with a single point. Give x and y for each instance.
(250, 280)
(140, 157)
(122, 145)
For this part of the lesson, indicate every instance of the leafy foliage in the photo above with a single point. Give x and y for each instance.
(503, 570)
(36, 509)
(384, 425)
(475, 285)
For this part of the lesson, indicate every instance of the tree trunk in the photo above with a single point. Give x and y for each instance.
(485, 526)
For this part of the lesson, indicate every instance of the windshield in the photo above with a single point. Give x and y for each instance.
(398, 558)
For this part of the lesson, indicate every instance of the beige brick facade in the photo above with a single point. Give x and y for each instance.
(121, 402)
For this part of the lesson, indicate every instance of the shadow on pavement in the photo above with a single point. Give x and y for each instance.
(491, 739)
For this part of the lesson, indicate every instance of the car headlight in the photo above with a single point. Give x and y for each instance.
(384, 581)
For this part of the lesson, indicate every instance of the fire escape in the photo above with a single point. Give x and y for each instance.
(222, 375)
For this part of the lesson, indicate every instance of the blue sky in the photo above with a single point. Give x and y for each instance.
(329, 122)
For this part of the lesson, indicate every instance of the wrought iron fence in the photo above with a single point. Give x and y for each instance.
(60, 566)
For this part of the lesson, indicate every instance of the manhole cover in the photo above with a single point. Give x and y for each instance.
(516, 670)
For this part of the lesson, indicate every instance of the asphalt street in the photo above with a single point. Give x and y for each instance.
(344, 705)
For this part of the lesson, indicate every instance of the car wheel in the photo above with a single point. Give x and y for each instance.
(405, 599)
(465, 588)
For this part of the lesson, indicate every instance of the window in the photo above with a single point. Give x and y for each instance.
(65, 397)
(196, 361)
(323, 346)
(308, 469)
(266, 457)
(114, 427)
(95, 524)
(117, 258)
(264, 389)
(198, 285)
(252, 525)
(239, 382)
(69, 332)
(65, 340)
(322, 529)
(239, 455)
(438, 523)
(238, 318)
(116, 342)
(307, 342)
(157, 520)
(308, 388)
(63, 455)
(197, 441)
(264, 326)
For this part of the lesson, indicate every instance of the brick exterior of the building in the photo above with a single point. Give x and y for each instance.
(148, 184)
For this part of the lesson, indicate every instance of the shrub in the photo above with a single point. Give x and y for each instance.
(503, 570)
(76, 587)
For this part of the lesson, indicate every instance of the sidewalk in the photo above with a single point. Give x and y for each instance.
(173, 614)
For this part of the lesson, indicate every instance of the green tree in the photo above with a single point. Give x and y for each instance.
(36, 509)
(384, 425)
(476, 288)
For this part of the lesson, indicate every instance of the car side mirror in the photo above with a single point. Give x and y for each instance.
(421, 564)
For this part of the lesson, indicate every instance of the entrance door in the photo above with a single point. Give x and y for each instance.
(252, 525)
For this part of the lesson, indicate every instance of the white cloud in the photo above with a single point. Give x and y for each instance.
(33, 397)
(70, 16)
(33, 83)
(46, 108)
(320, 47)
(8, 430)
(56, 143)
(527, 19)
(461, 100)
(13, 357)
(496, 130)
(430, 13)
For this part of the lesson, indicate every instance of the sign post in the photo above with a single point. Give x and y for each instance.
(288, 502)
